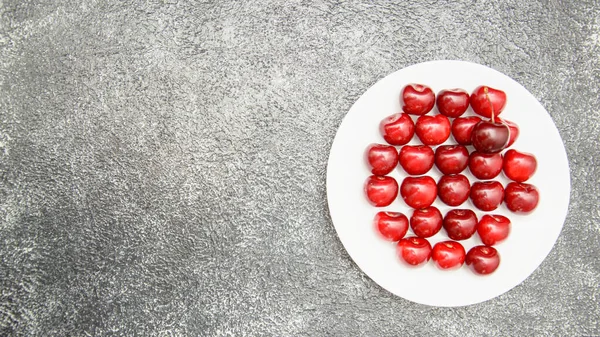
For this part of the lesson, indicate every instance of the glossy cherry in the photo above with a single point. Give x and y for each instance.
(418, 192)
(521, 197)
(483, 260)
(391, 225)
(448, 254)
(485, 165)
(381, 190)
(426, 222)
(519, 166)
(453, 190)
(487, 101)
(514, 130)
(417, 99)
(397, 129)
(432, 130)
(490, 137)
(493, 229)
(451, 159)
(382, 158)
(416, 160)
(452, 102)
(487, 195)
(460, 224)
(462, 129)
(414, 250)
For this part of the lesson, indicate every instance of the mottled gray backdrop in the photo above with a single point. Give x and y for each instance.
(163, 163)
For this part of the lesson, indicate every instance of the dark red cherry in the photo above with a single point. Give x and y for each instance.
(490, 137)
(452, 102)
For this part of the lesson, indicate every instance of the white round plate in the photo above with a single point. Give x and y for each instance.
(532, 236)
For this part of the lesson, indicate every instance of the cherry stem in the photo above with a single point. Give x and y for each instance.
(485, 91)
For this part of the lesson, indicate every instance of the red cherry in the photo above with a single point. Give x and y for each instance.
(416, 160)
(426, 222)
(485, 165)
(514, 130)
(462, 129)
(453, 190)
(451, 159)
(418, 192)
(493, 229)
(483, 260)
(521, 197)
(392, 225)
(487, 195)
(417, 99)
(486, 101)
(519, 166)
(432, 130)
(382, 158)
(448, 254)
(397, 129)
(381, 190)
(460, 224)
(452, 102)
(490, 137)
(414, 250)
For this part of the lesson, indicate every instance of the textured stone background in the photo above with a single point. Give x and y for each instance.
(163, 163)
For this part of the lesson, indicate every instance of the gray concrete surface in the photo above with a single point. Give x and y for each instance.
(163, 163)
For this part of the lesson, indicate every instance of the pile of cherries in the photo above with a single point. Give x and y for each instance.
(488, 136)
